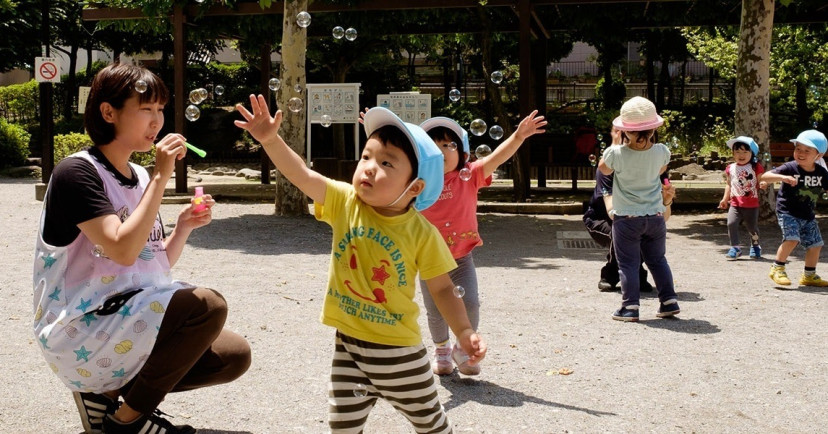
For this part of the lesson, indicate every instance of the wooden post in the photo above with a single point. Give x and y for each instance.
(264, 67)
(179, 96)
(525, 95)
(47, 123)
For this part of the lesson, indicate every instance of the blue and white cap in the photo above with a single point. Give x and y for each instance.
(812, 138)
(441, 121)
(746, 140)
(429, 157)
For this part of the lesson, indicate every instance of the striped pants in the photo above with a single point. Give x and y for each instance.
(363, 371)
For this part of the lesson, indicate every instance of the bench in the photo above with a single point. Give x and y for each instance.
(780, 152)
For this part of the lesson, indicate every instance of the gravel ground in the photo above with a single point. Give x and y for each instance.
(743, 357)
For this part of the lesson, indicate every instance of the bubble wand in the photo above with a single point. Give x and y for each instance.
(201, 153)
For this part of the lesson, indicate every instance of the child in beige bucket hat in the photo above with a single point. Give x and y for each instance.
(638, 228)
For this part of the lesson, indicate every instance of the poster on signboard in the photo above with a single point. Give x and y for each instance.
(340, 101)
(411, 107)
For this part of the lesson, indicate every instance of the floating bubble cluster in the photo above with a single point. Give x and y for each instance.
(496, 132)
(454, 95)
(303, 19)
(274, 84)
(478, 127)
(140, 86)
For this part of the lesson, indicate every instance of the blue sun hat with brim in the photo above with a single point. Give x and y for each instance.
(746, 140)
(812, 138)
(440, 121)
(429, 157)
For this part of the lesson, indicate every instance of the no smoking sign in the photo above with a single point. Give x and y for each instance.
(47, 70)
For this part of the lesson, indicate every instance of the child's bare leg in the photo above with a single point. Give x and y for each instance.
(785, 250)
(811, 256)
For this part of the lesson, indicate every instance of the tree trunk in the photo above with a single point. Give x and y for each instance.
(753, 81)
(71, 87)
(289, 199)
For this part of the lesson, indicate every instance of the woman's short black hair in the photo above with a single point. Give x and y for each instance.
(443, 133)
(115, 84)
(391, 135)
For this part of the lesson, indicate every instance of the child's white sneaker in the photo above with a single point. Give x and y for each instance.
(461, 359)
(441, 364)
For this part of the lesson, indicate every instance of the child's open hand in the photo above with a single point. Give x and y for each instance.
(260, 124)
(362, 115)
(530, 125)
(473, 345)
(616, 136)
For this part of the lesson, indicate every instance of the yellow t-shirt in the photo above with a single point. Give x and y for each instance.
(373, 270)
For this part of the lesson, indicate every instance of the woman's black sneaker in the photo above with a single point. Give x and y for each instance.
(93, 408)
(148, 423)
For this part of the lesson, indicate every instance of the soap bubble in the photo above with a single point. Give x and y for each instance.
(351, 34)
(593, 160)
(478, 127)
(816, 124)
(195, 97)
(295, 104)
(338, 32)
(600, 137)
(274, 84)
(360, 390)
(483, 151)
(497, 77)
(451, 146)
(766, 156)
(825, 196)
(459, 291)
(496, 132)
(98, 251)
(454, 95)
(140, 86)
(192, 113)
(218, 90)
(203, 92)
(325, 120)
(303, 19)
(465, 174)
(297, 88)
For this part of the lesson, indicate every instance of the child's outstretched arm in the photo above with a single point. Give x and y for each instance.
(772, 176)
(453, 310)
(529, 126)
(265, 129)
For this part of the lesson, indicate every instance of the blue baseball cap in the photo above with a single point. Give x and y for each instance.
(441, 121)
(429, 157)
(812, 138)
(746, 140)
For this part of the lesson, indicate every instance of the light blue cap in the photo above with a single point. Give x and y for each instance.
(441, 121)
(429, 157)
(747, 140)
(812, 138)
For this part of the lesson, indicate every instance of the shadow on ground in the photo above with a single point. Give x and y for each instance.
(484, 392)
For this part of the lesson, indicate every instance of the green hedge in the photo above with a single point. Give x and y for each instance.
(19, 102)
(14, 144)
(68, 144)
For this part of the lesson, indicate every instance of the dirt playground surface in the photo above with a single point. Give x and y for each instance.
(742, 357)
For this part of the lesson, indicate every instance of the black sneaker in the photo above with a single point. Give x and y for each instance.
(93, 408)
(646, 287)
(148, 423)
(668, 308)
(624, 314)
(606, 286)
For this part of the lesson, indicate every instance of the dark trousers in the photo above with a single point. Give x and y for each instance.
(192, 351)
(637, 236)
(601, 232)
